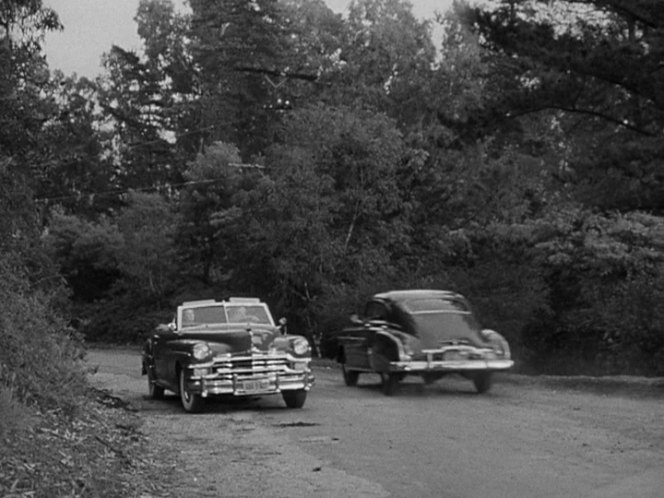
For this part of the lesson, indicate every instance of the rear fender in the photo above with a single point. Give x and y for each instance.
(384, 349)
(497, 342)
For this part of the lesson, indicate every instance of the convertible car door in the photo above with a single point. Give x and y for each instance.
(163, 356)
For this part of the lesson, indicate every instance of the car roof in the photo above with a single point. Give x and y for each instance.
(407, 294)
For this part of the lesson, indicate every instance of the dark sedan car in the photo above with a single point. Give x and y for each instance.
(429, 333)
(226, 348)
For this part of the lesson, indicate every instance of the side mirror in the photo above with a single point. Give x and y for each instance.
(282, 325)
(354, 318)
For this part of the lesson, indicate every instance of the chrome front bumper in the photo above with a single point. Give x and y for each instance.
(249, 376)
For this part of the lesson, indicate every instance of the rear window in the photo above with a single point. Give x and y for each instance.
(435, 305)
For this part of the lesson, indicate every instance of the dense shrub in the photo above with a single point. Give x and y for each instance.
(604, 312)
(40, 357)
(122, 320)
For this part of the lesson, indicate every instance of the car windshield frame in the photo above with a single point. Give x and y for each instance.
(221, 315)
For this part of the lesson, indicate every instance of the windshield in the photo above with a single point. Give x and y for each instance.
(219, 314)
(195, 317)
(248, 314)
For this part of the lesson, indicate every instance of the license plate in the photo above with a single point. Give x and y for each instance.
(253, 386)
(455, 356)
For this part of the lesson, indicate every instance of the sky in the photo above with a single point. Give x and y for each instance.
(91, 27)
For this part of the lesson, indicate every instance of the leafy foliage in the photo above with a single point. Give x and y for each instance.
(208, 209)
(598, 269)
(593, 64)
(313, 159)
(30, 332)
(145, 259)
(87, 254)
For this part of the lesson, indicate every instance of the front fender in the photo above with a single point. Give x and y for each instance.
(286, 343)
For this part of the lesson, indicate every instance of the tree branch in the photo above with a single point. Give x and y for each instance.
(274, 72)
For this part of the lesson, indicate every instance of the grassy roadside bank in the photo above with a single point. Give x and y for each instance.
(100, 452)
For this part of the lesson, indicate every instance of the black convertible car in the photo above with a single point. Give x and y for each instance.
(429, 333)
(228, 347)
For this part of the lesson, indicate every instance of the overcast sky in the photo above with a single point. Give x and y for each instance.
(91, 27)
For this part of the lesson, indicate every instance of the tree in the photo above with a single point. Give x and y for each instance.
(604, 274)
(150, 101)
(86, 253)
(334, 217)
(240, 47)
(386, 60)
(209, 210)
(74, 171)
(146, 257)
(23, 115)
(595, 67)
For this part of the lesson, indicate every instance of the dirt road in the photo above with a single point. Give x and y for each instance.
(527, 437)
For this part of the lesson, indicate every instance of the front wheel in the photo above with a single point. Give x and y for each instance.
(482, 382)
(390, 383)
(192, 403)
(155, 391)
(350, 376)
(294, 399)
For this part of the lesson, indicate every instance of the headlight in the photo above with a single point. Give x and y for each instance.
(300, 346)
(201, 351)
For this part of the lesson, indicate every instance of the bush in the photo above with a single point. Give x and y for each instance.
(605, 275)
(40, 358)
(123, 320)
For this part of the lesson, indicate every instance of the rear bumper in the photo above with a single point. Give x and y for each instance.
(450, 366)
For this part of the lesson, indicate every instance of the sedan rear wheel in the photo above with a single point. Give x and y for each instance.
(350, 376)
(390, 383)
(482, 382)
(155, 391)
(294, 399)
(192, 403)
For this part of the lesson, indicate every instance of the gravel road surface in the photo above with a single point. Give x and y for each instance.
(528, 437)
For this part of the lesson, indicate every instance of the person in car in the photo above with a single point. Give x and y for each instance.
(188, 318)
(240, 314)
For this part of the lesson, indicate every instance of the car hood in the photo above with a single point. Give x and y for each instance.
(233, 340)
(436, 330)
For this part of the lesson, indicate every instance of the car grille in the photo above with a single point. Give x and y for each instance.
(250, 365)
